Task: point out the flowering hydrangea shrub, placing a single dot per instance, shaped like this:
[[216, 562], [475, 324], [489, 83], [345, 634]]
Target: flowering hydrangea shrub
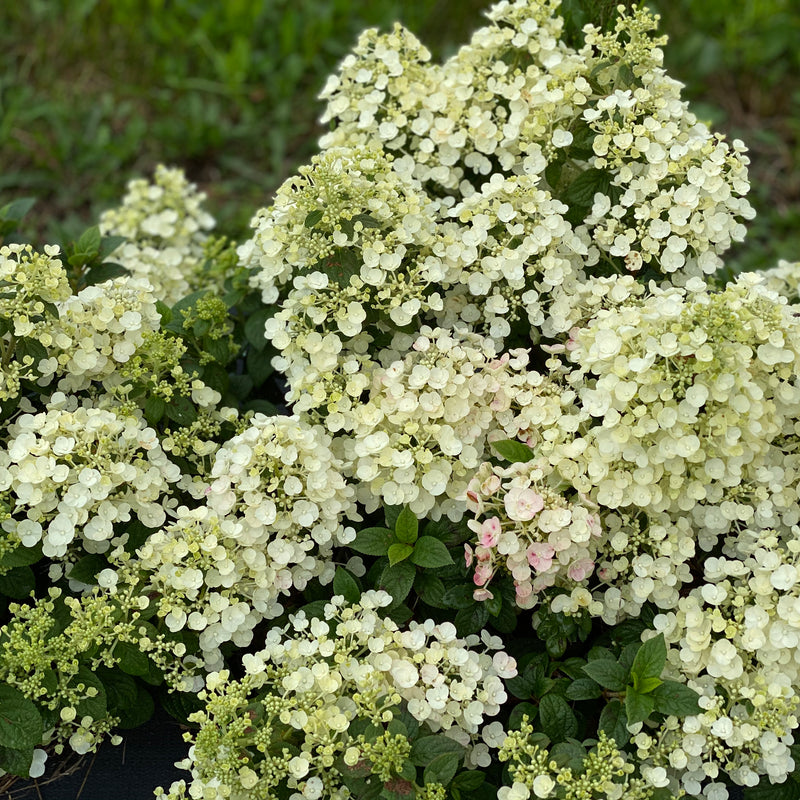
[[468, 473]]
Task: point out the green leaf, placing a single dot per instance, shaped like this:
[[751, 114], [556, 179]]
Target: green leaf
[[181, 410], [607, 673], [104, 272], [30, 347], [583, 689], [18, 583], [471, 620], [513, 451], [580, 193], [17, 209], [406, 529], [467, 781], [638, 707], [390, 514], [21, 556], [649, 661], [346, 585], [557, 719], [612, 722], [430, 589], [139, 712], [254, 327], [179, 705], [367, 221], [425, 749], [431, 553], [459, 597], [131, 659], [442, 768], [16, 762], [259, 366], [399, 552], [519, 711], [672, 697], [89, 242], [340, 266], [788, 790], [154, 409], [86, 569], [646, 685], [121, 690], [397, 580], [20, 721], [108, 244], [313, 217], [494, 604], [372, 541]]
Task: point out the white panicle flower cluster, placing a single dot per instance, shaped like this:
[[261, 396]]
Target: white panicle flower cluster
[[283, 485], [421, 433], [205, 579], [74, 470], [364, 667], [100, 328], [529, 529], [31, 284], [689, 390], [346, 198], [736, 641], [166, 226], [784, 279]]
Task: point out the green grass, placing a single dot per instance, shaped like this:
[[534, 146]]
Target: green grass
[[94, 92]]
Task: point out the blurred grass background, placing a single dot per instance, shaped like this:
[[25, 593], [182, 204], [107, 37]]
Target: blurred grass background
[[94, 92]]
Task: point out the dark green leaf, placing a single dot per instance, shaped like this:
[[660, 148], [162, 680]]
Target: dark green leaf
[[467, 781], [459, 597], [494, 604], [672, 697], [179, 705], [397, 580], [556, 718], [367, 221], [399, 552], [20, 721], [254, 327], [513, 451], [131, 659], [104, 272], [21, 556], [406, 528], [430, 589], [583, 689], [340, 266], [582, 190], [788, 790], [390, 514], [30, 347], [372, 541], [18, 583], [638, 707], [471, 620], [108, 244], [346, 585], [154, 409], [442, 768], [259, 366], [121, 691], [16, 762], [612, 722], [139, 712], [607, 673], [86, 568], [425, 749], [313, 217], [431, 553], [182, 410], [520, 711]]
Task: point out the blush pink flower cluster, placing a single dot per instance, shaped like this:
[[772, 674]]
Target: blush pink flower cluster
[[527, 527]]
